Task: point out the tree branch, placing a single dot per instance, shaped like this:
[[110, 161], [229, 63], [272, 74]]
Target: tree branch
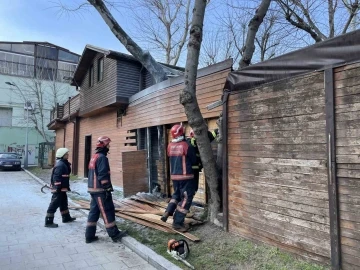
[[154, 68], [331, 11], [353, 8], [253, 28], [301, 24]]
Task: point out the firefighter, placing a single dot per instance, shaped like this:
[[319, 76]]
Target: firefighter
[[100, 188], [198, 166], [182, 158], [59, 186]]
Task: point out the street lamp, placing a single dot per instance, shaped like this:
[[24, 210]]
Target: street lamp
[[27, 107]]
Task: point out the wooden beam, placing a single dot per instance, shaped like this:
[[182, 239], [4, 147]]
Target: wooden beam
[[331, 165]]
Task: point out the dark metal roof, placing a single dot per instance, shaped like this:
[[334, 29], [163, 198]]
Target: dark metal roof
[[329, 53], [89, 53], [45, 43]]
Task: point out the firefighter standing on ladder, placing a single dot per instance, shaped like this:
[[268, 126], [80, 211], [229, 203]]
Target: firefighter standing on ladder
[[100, 188]]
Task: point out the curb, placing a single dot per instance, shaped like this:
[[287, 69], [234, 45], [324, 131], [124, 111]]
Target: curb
[[143, 251]]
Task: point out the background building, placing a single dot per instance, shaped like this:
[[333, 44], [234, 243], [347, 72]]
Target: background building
[[37, 73]]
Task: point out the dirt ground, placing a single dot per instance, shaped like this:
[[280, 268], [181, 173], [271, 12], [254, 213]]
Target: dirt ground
[[217, 249]]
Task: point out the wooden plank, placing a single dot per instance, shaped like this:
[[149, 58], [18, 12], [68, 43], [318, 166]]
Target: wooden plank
[[296, 183], [285, 189], [234, 192], [322, 213], [276, 154], [169, 226], [156, 203], [243, 204], [143, 222]]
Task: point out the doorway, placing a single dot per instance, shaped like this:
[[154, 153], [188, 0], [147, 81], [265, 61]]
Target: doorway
[[87, 155]]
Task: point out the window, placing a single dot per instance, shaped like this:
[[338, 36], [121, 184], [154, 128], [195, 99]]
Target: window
[[23, 48], [69, 57], [100, 69], [5, 117], [5, 46], [91, 76], [46, 52]]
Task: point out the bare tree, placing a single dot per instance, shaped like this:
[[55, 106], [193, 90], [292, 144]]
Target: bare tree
[[320, 19], [218, 47], [43, 91], [192, 110], [267, 40], [166, 27]]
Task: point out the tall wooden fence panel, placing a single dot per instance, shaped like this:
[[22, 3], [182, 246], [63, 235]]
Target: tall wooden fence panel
[[277, 165]]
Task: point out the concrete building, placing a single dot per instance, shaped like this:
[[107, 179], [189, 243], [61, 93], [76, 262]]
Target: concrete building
[[33, 72]]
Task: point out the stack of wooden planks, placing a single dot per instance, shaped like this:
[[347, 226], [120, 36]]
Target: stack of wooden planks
[[144, 209]]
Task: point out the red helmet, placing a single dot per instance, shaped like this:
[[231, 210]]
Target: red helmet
[[103, 141], [192, 134], [177, 131]]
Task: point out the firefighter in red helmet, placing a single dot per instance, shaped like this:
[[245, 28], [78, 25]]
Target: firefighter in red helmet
[[100, 188], [182, 157]]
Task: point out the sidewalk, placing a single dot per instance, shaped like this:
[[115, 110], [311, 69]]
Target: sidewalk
[[26, 244]]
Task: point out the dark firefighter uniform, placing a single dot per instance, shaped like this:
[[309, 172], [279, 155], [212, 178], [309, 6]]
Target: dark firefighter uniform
[[59, 186], [198, 166], [182, 157], [100, 188]]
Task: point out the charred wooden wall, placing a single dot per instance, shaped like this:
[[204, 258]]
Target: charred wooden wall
[[277, 172]]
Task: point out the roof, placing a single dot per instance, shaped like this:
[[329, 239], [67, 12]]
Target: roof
[[45, 43], [90, 51], [329, 53]]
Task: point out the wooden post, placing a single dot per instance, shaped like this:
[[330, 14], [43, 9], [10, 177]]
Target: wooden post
[[149, 159], [225, 184], [331, 165]]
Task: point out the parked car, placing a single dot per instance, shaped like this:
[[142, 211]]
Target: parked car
[[10, 161]]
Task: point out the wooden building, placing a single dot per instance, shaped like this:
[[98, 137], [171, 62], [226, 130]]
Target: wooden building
[[123, 104]]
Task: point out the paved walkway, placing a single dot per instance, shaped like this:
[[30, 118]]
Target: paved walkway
[[26, 244]]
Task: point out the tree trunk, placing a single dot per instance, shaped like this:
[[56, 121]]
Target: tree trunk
[[254, 25], [192, 110], [154, 68]]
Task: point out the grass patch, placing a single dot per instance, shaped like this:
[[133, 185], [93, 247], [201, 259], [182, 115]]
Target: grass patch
[[220, 250]]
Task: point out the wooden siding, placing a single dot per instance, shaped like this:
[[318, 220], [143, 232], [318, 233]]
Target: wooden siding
[[103, 92], [277, 165], [163, 107], [134, 172], [347, 109]]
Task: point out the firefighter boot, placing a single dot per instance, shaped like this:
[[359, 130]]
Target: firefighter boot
[[49, 222], [181, 228], [165, 216], [67, 218], [117, 238], [92, 239]]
